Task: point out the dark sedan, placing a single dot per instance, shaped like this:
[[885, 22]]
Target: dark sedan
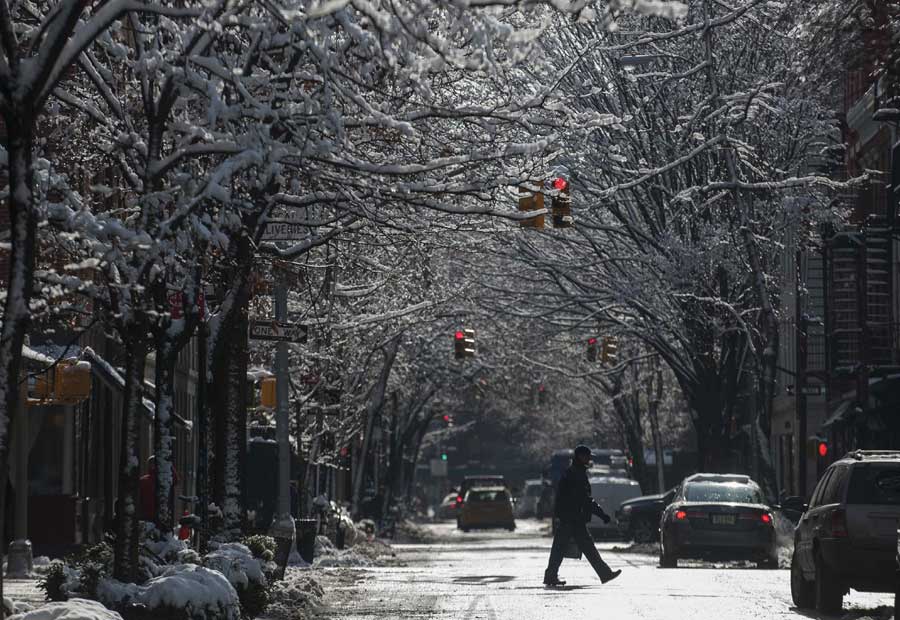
[[721, 516], [638, 518]]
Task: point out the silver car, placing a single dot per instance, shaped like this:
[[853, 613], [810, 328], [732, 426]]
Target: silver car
[[847, 537]]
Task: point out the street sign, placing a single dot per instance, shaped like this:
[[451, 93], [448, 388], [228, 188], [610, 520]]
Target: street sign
[[438, 468], [284, 231], [272, 330], [811, 390]]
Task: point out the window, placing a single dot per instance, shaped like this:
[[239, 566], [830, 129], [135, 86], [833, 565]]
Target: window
[[833, 493], [487, 496], [817, 494], [875, 484], [729, 492]]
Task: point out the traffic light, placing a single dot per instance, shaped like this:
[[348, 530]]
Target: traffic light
[[267, 393], [822, 449], [610, 350], [464, 343], [542, 394], [447, 419], [443, 456], [561, 203], [592, 349], [529, 200]]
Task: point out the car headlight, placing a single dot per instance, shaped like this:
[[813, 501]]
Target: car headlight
[[626, 510]]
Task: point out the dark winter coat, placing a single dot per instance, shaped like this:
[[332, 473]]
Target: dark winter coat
[[573, 497]]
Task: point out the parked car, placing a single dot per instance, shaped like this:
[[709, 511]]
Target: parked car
[[487, 507], [638, 518], [610, 492], [847, 537], [528, 502], [718, 515], [448, 507]]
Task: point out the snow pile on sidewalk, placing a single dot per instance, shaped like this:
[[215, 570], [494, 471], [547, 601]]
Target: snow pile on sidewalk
[[237, 563], [202, 592], [409, 532], [294, 596], [638, 548], [74, 609], [784, 539], [14, 607], [362, 554]]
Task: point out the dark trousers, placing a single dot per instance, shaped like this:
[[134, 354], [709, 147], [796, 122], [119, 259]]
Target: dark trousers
[[565, 532]]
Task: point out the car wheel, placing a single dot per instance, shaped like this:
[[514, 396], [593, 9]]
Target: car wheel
[[801, 590], [642, 531], [667, 557], [511, 528], [829, 592]]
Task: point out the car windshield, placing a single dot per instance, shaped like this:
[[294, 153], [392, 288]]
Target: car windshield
[[877, 484], [488, 496], [726, 492]]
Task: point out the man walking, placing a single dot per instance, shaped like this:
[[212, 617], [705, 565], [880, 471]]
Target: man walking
[[574, 507]]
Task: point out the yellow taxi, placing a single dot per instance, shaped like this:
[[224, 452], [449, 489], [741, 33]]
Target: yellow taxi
[[487, 507]]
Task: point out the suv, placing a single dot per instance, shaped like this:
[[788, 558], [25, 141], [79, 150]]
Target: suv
[[847, 536]]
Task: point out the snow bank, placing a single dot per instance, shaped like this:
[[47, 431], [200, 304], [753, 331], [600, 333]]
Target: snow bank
[[784, 537], [13, 607], [74, 609], [237, 563], [363, 554], [639, 548], [296, 593], [202, 592]]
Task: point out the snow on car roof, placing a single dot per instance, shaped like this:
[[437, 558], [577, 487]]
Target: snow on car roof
[[612, 480], [723, 478]]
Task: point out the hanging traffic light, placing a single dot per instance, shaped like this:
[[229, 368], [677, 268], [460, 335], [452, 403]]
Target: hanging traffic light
[[267, 393], [610, 350], [464, 343], [542, 394], [529, 200], [592, 349], [822, 449], [443, 456], [561, 202]]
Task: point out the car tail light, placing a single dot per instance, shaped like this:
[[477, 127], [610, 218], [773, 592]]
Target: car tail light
[[765, 518], [459, 499], [839, 524], [680, 515]]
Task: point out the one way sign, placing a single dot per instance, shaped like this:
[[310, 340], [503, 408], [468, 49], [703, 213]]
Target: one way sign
[[272, 330]]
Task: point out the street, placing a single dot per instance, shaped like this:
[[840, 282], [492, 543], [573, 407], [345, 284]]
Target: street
[[497, 575]]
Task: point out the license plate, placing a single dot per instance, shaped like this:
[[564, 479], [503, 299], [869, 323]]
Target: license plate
[[723, 519]]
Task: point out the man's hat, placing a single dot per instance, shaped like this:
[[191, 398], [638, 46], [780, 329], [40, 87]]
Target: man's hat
[[579, 450]]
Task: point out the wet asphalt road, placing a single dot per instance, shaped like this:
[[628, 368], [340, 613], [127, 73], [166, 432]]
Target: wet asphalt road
[[497, 576]]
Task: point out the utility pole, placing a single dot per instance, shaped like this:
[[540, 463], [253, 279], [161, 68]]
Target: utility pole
[[283, 524]]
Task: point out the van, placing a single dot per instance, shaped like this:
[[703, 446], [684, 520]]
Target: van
[[609, 492]]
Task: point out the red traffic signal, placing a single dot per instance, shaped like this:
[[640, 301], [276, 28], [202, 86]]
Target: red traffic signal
[[592, 349], [446, 418], [464, 343], [823, 449], [460, 334], [560, 184]]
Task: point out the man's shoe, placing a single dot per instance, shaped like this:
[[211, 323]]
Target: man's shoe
[[553, 581], [612, 576]]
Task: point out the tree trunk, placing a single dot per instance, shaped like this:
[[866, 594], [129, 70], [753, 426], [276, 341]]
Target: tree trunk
[[373, 411], [23, 229], [125, 560], [162, 432], [654, 398]]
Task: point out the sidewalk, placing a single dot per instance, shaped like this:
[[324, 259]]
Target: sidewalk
[[24, 591]]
